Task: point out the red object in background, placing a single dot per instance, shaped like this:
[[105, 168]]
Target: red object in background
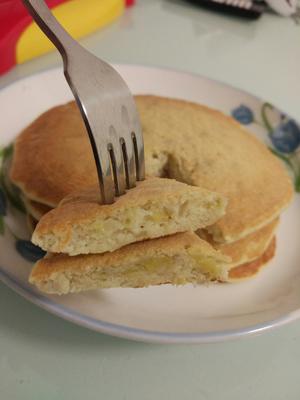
[[14, 18]]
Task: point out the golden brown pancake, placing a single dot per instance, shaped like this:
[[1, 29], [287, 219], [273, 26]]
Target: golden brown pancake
[[250, 269], [203, 147], [189, 142], [155, 207], [249, 248], [177, 259], [53, 157]]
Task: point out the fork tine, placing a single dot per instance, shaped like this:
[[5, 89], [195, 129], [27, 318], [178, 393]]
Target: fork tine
[[134, 142], [105, 174], [139, 155], [118, 170], [129, 120], [137, 139], [129, 161], [117, 161]]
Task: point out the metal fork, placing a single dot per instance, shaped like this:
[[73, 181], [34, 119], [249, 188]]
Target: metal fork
[[106, 105]]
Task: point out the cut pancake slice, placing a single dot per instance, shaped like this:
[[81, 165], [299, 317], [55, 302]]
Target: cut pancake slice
[[156, 207], [247, 249], [177, 259]]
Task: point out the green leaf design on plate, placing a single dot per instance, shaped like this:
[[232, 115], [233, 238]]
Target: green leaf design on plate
[[283, 158], [297, 184], [9, 189], [264, 117], [13, 198], [8, 151], [290, 165]]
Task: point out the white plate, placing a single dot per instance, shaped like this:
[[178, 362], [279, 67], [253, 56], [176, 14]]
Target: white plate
[[164, 314]]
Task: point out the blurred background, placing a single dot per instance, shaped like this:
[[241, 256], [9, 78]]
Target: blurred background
[[256, 49]]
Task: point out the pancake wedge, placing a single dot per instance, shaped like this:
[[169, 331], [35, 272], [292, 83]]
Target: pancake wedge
[[177, 259], [155, 207]]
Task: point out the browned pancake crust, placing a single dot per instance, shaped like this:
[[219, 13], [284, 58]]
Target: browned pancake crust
[[53, 156], [250, 269], [249, 248]]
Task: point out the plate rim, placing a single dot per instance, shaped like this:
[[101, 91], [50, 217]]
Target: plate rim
[[157, 67], [138, 334], [124, 331]]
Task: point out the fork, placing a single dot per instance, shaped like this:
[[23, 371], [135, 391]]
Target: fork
[[106, 105]]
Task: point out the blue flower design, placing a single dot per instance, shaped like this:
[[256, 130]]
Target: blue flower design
[[286, 137], [29, 251], [243, 114], [3, 203]]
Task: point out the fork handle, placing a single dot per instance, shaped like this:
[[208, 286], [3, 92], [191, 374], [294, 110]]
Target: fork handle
[[51, 27]]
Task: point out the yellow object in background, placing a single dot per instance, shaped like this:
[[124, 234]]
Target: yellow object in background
[[78, 17]]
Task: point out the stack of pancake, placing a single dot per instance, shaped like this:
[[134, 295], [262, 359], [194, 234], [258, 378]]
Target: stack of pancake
[[185, 141], [146, 237]]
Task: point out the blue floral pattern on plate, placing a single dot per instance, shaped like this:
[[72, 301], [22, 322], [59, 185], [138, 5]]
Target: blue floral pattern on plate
[[284, 137], [243, 114]]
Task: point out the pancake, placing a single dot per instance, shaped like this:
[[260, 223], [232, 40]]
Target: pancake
[[155, 207], [176, 259], [186, 141], [247, 249], [203, 147], [250, 269], [53, 157]]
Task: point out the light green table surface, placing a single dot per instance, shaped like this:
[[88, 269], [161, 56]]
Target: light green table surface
[[44, 357]]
